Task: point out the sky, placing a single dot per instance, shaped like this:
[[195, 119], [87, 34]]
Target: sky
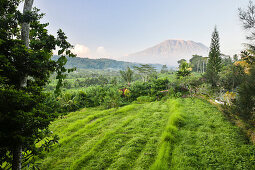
[[116, 28]]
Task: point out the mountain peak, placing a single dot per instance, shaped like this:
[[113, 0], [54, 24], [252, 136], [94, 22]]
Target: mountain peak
[[169, 52]]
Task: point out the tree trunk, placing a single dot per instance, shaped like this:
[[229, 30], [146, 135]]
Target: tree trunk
[[17, 157], [26, 25], [17, 151], [203, 66], [25, 35]]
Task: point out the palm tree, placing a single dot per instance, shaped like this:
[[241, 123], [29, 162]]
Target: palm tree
[[127, 75], [248, 54]]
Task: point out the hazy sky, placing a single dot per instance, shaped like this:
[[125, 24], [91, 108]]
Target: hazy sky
[[115, 28]]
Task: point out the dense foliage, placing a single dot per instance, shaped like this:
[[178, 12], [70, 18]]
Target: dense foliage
[[183, 70], [198, 63], [127, 75], [23, 114]]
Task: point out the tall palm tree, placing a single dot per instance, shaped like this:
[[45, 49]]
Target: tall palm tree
[[127, 75]]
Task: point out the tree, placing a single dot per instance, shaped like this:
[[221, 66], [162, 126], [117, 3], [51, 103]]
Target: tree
[[184, 70], [226, 60], [235, 57], [164, 69], [214, 62], [198, 63], [248, 55], [247, 18], [146, 71], [245, 100], [181, 61], [246, 96], [231, 76], [25, 68], [127, 75]]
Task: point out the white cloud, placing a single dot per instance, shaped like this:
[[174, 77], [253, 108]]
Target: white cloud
[[101, 52], [81, 51]]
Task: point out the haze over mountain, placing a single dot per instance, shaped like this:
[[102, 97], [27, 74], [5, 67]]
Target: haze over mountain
[[169, 52]]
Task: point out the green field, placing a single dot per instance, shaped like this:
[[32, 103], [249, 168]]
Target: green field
[[171, 134]]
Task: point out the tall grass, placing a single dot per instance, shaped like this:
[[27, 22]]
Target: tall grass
[[170, 134], [169, 137]]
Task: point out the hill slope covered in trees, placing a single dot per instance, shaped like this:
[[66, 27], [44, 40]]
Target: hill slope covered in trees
[[102, 63]]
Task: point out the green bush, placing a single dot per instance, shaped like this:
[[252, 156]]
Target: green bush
[[143, 99], [138, 89], [231, 76], [205, 89], [112, 98], [68, 102], [245, 100], [95, 95]]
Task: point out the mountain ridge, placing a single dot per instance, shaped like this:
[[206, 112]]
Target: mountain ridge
[[169, 52], [102, 63]]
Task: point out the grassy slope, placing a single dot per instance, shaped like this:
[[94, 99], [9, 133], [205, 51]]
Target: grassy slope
[[143, 136], [209, 141]]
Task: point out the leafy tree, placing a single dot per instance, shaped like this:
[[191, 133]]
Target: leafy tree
[[214, 63], [198, 63], [231, 76], [127, 75], [184, 70], [25, 68], [146, 71], [181, 61], [164, 69]]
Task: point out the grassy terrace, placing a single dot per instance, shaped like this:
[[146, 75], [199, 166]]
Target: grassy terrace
[[172, 134]]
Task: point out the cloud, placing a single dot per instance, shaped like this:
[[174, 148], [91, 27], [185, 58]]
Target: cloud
[[100, 51], [81, 51]]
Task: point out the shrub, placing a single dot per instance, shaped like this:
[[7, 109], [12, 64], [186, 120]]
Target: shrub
[[143, 99], [231, 77], [205, 89], [67, 102], [139, 89], [112, 99], [83, 100], [245, 100], [95, 95], [159, 85]]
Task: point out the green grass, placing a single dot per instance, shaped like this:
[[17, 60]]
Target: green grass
[[208, 141], [172, 134]]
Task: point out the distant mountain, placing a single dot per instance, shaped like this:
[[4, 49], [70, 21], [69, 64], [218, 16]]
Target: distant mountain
[[103, 63], [169, 52]]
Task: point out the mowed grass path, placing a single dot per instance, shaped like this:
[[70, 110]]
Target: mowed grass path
[[172, 134]]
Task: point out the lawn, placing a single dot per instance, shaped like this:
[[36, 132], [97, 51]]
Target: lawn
[[171, 134]]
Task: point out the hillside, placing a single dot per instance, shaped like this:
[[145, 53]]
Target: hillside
[[171, 134], [103, 63], [169, 52]]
